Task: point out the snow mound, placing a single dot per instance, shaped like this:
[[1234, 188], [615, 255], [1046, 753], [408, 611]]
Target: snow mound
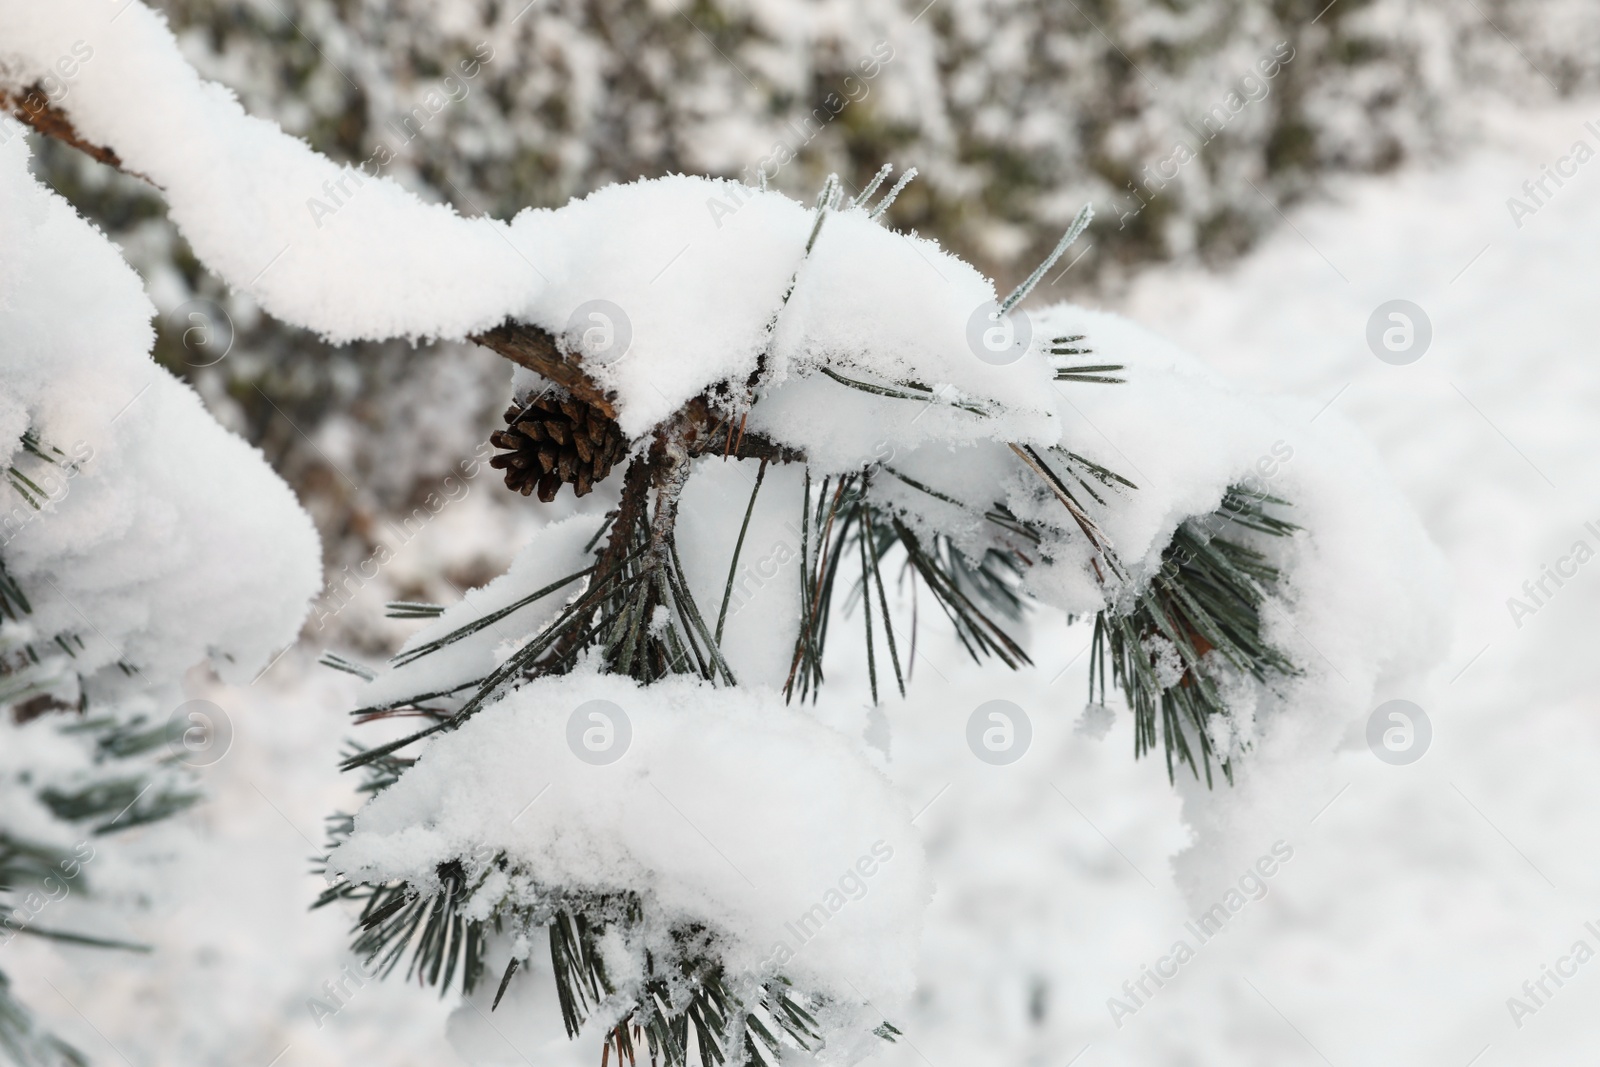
[[707, 282], [696, 289], [161, 539], [327, 247], [724, 808]]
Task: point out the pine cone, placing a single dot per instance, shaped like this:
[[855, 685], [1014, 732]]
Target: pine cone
[[555, 439]]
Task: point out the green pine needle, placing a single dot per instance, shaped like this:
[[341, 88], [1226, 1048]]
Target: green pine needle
[[1206, 600]]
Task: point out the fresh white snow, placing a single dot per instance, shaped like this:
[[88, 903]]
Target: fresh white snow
[[335, 249], [162, 539], [1405, 904]]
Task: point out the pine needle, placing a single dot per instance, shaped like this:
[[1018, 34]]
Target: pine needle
[[893, 194], [872, 186], [339, 663], [410, 609], [1074, 231], [738, 547]]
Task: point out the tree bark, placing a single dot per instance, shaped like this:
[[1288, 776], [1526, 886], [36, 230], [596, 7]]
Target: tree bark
[[33, 107]]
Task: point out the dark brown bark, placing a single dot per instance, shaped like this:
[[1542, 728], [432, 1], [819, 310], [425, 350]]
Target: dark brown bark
[[536, 349], [33, 107]]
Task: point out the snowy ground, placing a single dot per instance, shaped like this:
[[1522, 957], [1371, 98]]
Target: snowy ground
[[1416, 901]]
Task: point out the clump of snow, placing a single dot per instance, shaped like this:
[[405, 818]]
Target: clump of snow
[[162, 539], [1364, 587], [697, 268], [725, 807], [1095, 721], [888, 308], [711, 283], [1164, 660], [336, 249]]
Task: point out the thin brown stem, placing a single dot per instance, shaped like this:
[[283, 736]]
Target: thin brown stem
[[32, 106], [536, 349]]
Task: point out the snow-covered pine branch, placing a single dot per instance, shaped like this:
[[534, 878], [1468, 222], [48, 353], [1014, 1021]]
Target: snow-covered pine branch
[[138, 539], [1102, 473], [346, 254], [809, 378], [158, 538]]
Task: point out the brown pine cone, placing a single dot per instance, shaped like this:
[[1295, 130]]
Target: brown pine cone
[[554, 439]]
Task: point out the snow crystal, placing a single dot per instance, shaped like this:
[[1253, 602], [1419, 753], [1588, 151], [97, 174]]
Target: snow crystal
[[1164, 660]]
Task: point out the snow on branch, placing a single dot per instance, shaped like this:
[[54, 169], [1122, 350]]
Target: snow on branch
[[33, 106], [1252, 575], [137, 536], [328, 247]]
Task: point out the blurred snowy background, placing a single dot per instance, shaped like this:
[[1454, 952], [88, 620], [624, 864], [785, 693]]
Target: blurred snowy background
[[1375, 164]]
